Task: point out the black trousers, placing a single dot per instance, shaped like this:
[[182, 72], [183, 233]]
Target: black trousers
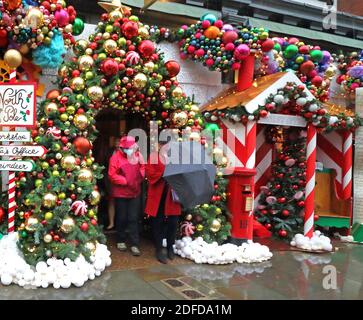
[[127, 218], [164, 226]]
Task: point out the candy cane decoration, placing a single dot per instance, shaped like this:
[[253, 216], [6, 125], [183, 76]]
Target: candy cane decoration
[[251, 130], [187, 228], [347, 165], [11, 190], [79, 207], [55, 132], [310, 181]]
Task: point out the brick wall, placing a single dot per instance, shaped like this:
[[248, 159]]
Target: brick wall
[[351, 6]]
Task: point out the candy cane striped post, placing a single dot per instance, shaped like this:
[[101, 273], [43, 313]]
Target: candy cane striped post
[[347, 164], [310, 181], [251, 132], [11, 190]]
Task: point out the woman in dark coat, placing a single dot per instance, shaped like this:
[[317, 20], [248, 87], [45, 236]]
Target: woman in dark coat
[[161, 207]]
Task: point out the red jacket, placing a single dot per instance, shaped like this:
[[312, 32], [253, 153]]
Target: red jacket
[[154, 174], [126, 177]]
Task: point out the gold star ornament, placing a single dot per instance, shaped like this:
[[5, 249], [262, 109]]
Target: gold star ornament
[[114, 5]]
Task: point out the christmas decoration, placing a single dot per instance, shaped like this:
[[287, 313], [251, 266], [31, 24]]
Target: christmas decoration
[[318, 242]]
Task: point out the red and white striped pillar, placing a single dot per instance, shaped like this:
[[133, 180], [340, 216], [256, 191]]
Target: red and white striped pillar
[[310, 181], [11, 190], [347, 165], [251, 134]]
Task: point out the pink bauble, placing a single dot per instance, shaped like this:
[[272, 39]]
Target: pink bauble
[[146, 48], [293, 40], [62, 17], [205, 24], [354, 86], [219, 24], [229, 36], [229, 46], [227, 27], [313, 73], [200, 53], [191, 49], [209, 62], [242, 51]]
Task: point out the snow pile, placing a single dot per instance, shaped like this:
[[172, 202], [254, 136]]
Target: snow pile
[[56, 272], [344, 238], [202, 252], [318, 242]]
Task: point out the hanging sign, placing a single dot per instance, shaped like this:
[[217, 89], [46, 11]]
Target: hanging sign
[[22, 151], [18, 104], [11, 136], [17, 165], [283, 120]]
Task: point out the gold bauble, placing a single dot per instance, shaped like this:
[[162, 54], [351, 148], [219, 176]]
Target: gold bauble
[[34, 18], [215, 226], [95, 197], [140, 81], [63, 72], [50, 108], [80, 46], [91, 246], [177, 92], [68, 225], [31, 224], [110, 45], [48, 238], [115, 15], [194, 108], [189, 217], [95, 93], [68, 162], [77, 84], [149, 66], [143, 32], [330, 72], [199, 227], [24, 49], [85, 175], [49, 200], [13, 58], [85, 63], [80, 121], [180, 119]]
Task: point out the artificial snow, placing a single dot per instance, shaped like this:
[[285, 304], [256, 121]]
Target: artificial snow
[[53, 272], [202, 252], [349, 239], [318, 242]]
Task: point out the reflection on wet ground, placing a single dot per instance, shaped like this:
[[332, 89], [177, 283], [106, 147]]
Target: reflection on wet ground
[[288, 275]]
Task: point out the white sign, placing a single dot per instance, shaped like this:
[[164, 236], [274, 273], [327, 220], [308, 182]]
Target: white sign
[[18, 104], [283, 120], [16, 165], [11, 136], [22, 151]]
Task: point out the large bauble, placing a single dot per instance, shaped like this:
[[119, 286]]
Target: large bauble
[[11, 4], [80, 121], [146, 48], [140, 81], [77, 27], [82, 145], [110, 45], [68, 162], [77, 84], [173, 68], [95, 93], [80, 46], [13, 58], [31, 224], [180, 119], [50, 108], [109, 67], [95, 197], [215, 226], [49, 200], [68, 225], [177, 92], [53, 94], [85, 175], [130, 29], [115, 15], [85, 63], [34, 18]]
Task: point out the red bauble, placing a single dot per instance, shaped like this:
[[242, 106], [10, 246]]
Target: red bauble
[[263, 113], [109, 67], [146, 48], [2, 213], [82, 145], [307, 67], [316, 217], [173, 68], [285, 213], [84, 226], [301, 203], [268, 226], [267, 45], [281, 200], [94, 222], [229, 37], [130, 29], [283, 233]]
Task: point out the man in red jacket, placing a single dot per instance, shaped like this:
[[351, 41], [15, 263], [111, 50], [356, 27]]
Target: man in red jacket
[[161, 206], [126, 173]]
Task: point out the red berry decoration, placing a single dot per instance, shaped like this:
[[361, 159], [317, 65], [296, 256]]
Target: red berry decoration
[[285, 213], [301, 203], [282, 233], [268, 226], [281, 200], [263, 113], [94, 222], [84, 226]]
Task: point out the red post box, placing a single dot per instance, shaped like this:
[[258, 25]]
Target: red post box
[[240, 204]]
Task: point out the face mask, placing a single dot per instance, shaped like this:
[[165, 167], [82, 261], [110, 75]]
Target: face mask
[[128, 152]]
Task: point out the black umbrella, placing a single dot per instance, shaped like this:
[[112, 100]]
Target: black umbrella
[[190, 172]]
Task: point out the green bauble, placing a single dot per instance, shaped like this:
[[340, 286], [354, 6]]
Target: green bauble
[[291, 51], [316, 55], [212, 127], [78, 26]]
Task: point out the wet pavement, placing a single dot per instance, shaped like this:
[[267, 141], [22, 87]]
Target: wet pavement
[[288, 275]]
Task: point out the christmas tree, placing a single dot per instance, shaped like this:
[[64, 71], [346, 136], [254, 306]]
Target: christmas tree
[[119, 67]]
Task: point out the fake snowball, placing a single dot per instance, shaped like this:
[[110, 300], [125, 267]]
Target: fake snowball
[[56, 272], [202, 252], [318, 242]]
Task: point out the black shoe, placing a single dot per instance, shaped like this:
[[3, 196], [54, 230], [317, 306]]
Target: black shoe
[[161, 256], [171, 254]]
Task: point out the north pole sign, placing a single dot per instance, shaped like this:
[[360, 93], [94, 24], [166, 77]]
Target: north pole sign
[[17, 165], [17, 104], [22, 151]]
